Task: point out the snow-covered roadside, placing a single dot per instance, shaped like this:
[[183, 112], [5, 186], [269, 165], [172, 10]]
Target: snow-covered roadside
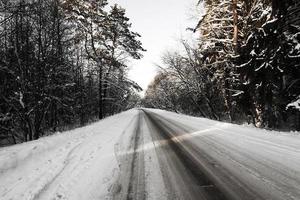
[[77, 164]]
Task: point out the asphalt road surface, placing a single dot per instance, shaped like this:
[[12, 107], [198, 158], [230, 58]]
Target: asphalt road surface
[[170, 158]]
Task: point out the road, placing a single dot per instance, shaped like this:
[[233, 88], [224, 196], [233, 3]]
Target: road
[[210, 163], [156, 155]]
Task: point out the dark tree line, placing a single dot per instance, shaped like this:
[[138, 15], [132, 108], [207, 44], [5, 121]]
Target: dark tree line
[[269, 68], [62, 63], [245, 66]]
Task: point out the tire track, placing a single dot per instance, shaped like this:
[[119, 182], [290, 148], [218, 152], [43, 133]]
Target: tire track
[[136, 189], [131, 182], [197, 185], [48, 184]]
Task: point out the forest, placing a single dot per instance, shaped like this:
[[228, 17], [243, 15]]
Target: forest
[[244, 67], [63, 64]]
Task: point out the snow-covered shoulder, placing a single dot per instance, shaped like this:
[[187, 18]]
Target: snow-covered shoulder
[[77, 164]]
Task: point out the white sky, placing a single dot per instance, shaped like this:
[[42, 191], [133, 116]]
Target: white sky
[[161, 23]]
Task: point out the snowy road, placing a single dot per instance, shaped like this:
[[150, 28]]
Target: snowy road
[[154, 154]]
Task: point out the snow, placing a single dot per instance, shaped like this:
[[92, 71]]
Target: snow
[[238, 93], [87, 163], [261, 66], [245, 64], [21, 100], [295, 104], [281, 70], [154, 181], [270, 22], [78, 164], [297, 47], [249, 37], [252, 53]]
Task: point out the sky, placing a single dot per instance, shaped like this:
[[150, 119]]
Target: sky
[[161, 23]]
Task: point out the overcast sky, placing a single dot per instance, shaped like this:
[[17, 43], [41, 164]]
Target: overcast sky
[[161, 24]]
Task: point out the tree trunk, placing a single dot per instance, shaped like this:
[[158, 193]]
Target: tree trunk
[[100, 114], [226, 94], [235, 24], [29, 129], [105, 93]]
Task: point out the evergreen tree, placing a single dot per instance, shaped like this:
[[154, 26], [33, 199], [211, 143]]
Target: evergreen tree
[[270, 67], [59, 60]]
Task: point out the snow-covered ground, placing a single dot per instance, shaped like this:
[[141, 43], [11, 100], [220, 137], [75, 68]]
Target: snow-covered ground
[[128, 156], [78, 164]]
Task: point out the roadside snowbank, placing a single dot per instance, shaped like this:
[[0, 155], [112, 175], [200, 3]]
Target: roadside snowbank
[[78, 164]]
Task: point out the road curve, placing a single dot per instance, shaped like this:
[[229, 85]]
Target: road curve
[[175, 157]]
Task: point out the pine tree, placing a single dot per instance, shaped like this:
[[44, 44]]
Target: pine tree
[[59, 59], [220, 32], [270, 66], [107, 39]]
